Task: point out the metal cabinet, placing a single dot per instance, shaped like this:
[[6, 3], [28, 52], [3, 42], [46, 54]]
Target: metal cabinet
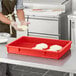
[[72, 28], [73, 31], [43, 26]]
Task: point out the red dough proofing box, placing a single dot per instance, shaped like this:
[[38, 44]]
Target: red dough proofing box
[[24, 46]]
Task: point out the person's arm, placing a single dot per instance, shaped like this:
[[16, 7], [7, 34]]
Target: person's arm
[[4, 19], [7, 21], [20, 14]]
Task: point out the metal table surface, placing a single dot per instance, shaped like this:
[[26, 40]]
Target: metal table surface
[[66, 64]]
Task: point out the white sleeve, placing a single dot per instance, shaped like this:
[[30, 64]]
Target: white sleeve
[[0, 6], [19, 4]]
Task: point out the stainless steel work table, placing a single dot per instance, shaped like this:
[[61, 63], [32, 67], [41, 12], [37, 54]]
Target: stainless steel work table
[[66, 64]]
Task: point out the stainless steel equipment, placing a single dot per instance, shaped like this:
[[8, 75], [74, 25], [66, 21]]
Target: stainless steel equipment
[[46, 1], [43, 27], [51, 20], [72, 28]]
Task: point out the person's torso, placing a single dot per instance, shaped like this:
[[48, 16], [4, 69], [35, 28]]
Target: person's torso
[[8, 6]]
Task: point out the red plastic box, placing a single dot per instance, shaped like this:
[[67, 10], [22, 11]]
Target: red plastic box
[[25, 44]]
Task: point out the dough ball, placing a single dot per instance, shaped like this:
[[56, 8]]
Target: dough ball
[[23, 27], [37, 48], [42, 45], [56, 47], [51, 50]]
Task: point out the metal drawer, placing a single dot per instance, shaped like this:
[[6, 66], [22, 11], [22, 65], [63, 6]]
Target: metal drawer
[[44, 26], [43, 36]]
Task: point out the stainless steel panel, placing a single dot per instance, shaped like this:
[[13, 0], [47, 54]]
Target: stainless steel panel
[[26, 1], [72, 26], [74, 5], [43, 26], [55, 18], [73, 32], [44, 36], [48, 1]]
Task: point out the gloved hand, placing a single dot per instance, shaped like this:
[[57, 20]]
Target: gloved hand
[[15, 26], [24, 23]]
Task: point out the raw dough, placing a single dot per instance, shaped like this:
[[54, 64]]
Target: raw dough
[[23, 27], [52, 50], [55, 48], [37, 48], [41, 46]]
